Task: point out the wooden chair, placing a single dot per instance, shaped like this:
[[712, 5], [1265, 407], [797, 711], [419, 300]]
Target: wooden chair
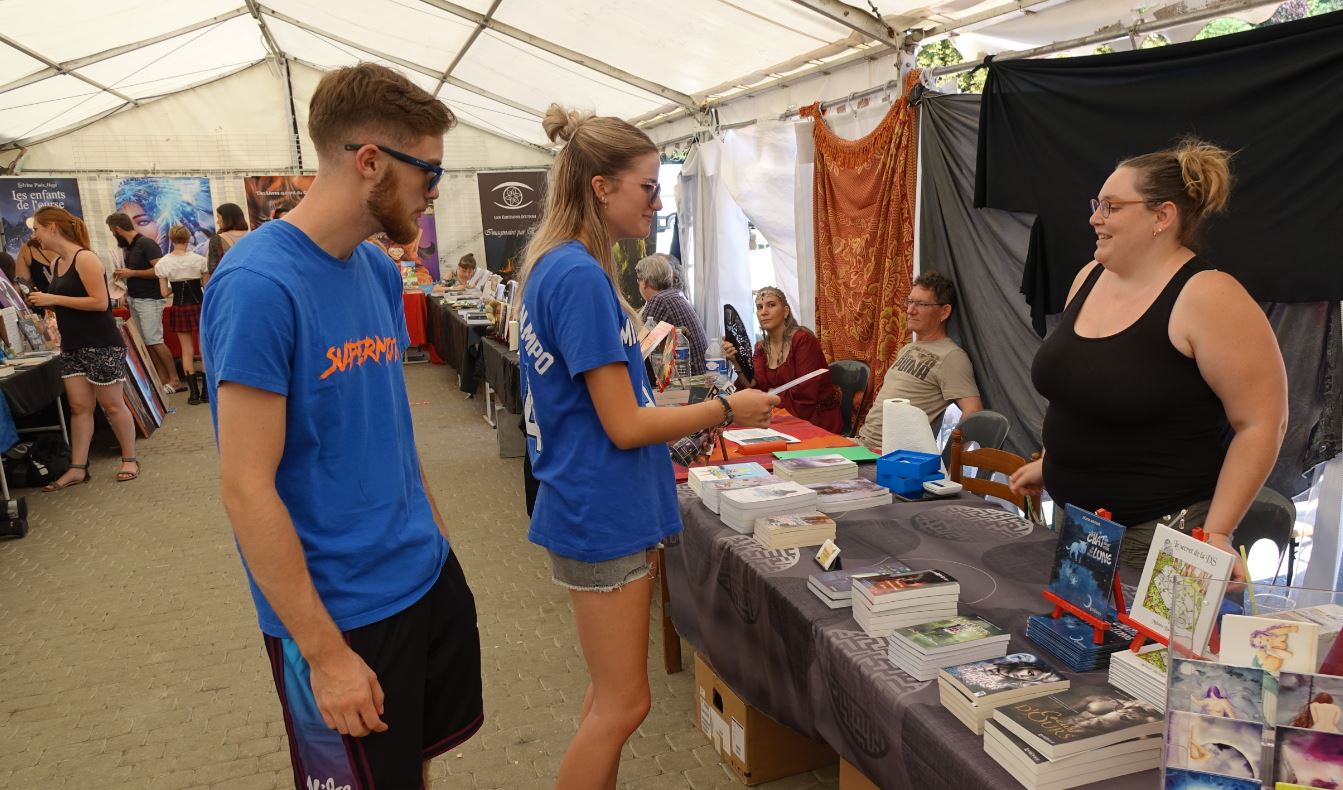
[[671, 640], [984, 458]]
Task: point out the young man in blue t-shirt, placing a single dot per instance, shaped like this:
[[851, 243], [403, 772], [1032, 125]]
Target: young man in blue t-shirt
[[368, 621]]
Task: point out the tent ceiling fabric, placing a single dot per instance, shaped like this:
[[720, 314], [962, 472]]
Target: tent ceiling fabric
[[639, 59]]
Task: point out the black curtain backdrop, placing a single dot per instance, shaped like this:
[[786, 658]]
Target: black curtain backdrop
[[1053, 130], [982, 251]]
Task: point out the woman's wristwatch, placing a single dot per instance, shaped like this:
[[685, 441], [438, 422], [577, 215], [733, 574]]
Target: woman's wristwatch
[[728, 416]]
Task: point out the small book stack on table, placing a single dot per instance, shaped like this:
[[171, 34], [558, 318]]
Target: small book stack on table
[[740, 508], [795, 530], [922, 651], [835, 588], [816, 469], [883, 602], [972, 691], [854, 494]]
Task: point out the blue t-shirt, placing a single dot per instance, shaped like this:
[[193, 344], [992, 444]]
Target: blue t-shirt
[[282, 315], [596, 502]]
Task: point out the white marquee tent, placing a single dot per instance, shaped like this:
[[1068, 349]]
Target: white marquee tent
[[221, 87]]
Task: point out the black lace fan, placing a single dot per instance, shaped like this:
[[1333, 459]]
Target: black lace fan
[[734, 331]]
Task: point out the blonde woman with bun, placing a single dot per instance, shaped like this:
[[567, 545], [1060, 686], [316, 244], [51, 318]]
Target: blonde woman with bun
[[1157, 361], [596, 442]]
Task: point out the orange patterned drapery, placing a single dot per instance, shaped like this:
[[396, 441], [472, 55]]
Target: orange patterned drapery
[[863, 196]]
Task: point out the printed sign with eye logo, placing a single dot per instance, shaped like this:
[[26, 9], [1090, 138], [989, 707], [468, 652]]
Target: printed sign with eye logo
[[513, 195]]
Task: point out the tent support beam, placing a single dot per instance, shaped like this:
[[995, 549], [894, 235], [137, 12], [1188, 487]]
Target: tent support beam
[[59, 70], [857, 19], [271, 46], [684, 100], [496, 132], [402, 62], [98, 57], [461, 53]]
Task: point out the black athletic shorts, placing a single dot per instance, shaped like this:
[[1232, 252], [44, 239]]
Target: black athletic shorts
[[427, 659]]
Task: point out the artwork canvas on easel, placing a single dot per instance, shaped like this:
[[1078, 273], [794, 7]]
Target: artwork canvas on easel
[[1181, 588]]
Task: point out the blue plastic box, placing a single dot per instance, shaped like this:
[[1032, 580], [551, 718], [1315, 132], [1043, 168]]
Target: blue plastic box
[[909, 487], [909, 463]]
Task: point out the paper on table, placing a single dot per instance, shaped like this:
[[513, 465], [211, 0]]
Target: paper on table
[[798, 380], [758, 436]]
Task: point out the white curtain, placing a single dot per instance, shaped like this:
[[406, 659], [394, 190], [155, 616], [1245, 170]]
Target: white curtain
[[718, 237], [760, 172]]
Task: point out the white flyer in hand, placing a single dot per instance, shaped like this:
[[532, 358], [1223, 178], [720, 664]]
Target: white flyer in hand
[[798, 380]]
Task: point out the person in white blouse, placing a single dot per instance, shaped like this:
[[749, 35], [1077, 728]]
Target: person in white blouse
[[185, 273]]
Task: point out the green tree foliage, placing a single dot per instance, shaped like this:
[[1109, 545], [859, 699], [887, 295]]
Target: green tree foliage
[[943, 52]]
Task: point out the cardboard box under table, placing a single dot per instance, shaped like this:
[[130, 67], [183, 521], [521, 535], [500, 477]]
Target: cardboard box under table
[[757, 748]]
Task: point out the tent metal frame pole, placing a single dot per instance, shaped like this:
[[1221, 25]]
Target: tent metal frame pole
[[88, 60], [496, 132], [684, 100], [461, 53], [402, 62], [49, 63], [859, 20], [274, 48], [1213, 11]]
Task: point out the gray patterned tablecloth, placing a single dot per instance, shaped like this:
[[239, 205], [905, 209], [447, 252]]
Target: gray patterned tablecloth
[[812, 668]]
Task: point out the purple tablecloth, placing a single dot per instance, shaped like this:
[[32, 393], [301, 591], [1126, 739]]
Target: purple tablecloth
[[812, 668]]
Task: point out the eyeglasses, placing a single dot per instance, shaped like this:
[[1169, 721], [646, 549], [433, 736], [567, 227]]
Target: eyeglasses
[[435, 172], [1107, 206], [911, 303], [651, 188]]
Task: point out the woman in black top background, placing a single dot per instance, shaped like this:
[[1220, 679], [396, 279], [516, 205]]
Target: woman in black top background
[[1156, 357], [92, 351]]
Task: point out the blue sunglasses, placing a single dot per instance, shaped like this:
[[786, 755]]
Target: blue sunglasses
[[435, 172]]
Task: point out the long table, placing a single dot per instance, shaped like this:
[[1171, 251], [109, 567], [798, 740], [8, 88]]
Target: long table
[[812, 668], [501, 374], [456, 341]]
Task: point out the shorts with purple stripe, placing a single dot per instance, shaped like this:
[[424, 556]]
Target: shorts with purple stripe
[[427, 660]]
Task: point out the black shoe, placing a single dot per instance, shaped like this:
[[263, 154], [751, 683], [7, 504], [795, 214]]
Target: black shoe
[[199, 378], [195, 397]]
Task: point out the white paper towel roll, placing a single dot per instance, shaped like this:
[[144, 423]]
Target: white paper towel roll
[[904, 426]]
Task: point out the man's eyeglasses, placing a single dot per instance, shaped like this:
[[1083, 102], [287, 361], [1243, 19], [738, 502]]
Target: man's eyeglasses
[[912, 303], [1107, 206], [435, 172], [651, 188]]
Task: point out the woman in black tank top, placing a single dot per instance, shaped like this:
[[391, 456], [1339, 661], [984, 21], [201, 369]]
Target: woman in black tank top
[[1157, 360], [92, 351]]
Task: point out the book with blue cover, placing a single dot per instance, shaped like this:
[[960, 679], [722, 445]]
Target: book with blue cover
[[1085, 561]]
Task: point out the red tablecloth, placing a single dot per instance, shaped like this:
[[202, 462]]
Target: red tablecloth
[[416, 307], [812, 438]]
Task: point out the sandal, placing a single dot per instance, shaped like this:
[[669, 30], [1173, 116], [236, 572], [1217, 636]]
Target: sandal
[[126, 477], [169, 389], [52, 487]]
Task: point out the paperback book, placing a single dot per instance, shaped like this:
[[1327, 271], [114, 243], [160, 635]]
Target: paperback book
[[1079, 720], [1085, 560], [794, 530], [838, 584], [699, 475], [711, 490], [843, 495], [886, 590], [740, 508], [1037, 772], [1004, 678], [1181, 587], [1070, 640], [816, 469], [1142, 674]]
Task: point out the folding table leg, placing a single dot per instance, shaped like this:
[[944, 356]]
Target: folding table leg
[[671, 640]]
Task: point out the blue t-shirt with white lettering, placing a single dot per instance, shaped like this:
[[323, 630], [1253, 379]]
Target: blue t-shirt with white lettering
[[282, 315], [596, 502]]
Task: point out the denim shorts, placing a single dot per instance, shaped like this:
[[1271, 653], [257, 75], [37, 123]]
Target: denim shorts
[[604, 576]]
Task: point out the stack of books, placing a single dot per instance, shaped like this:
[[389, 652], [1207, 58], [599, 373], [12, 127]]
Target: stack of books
[[854, 494], [1075, 737], [835, 588], [699, 475], [710, 489], [795, 530], [816, 469], [972, 691], [1070, 640], [1142, 674], [740, 508], [883, 602], [922, 651]]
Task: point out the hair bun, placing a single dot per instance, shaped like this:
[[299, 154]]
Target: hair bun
[[561, 124], [1206, 169]]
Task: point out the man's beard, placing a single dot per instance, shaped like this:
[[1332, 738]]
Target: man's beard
[[400, 225]]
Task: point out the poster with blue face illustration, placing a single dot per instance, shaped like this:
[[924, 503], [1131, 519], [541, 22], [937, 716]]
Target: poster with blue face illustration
[[20, 197], [156, 203], [1085, 560]]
